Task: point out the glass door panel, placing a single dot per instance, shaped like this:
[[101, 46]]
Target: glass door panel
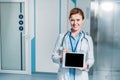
[[11, 52], [13, 42]]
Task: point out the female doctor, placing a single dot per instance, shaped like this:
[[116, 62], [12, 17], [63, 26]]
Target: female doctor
[[75, 40]]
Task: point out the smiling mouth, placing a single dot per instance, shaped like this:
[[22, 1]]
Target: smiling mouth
[[75, 27]]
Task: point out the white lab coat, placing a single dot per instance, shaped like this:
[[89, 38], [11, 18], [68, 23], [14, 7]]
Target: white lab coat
[[85, 44]]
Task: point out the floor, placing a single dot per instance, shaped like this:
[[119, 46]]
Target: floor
[[53, 76], [34, 76]]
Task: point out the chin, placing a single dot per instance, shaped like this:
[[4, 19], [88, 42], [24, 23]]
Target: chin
[[74, 30]]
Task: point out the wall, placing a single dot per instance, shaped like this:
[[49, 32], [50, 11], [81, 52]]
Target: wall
[[51, 19], [85, 6], [47, 29]]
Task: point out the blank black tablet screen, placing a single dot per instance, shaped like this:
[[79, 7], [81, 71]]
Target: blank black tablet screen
[[74, 60]]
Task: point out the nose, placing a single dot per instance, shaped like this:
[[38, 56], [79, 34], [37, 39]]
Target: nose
[[75, 22]]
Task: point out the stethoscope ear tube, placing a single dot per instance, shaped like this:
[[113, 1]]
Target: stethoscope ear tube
[[61, 46], [63, 39]]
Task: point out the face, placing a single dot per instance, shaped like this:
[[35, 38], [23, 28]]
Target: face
[[76, 22]]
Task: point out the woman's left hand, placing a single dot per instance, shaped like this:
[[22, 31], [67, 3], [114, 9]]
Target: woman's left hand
[[84, 68]]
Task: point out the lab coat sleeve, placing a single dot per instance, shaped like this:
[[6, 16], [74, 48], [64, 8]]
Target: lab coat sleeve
[[57, 51], [90, 59]]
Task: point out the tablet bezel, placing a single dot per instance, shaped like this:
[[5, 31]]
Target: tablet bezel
[[64, 58]]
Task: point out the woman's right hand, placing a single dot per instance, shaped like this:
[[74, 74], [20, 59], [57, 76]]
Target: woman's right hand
[[64, 51]]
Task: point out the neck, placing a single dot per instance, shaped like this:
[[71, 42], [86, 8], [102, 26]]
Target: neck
[[75, 33]]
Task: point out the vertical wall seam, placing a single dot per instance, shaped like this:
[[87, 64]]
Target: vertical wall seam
[[33, 43], [59, 16]]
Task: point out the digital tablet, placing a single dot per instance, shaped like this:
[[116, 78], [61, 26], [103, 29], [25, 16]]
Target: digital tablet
[[73, 60]]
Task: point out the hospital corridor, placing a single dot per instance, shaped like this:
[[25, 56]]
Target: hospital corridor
[[30, 28]]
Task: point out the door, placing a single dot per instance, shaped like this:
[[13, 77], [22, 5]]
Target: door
[[105, 32], [13, 42]]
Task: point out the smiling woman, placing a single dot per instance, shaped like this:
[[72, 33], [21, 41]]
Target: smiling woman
[[75, 41]]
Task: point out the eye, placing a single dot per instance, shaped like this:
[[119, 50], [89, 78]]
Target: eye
[[71, 19], [78, 19]]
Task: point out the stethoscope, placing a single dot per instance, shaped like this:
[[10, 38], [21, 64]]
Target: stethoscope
[[67, 33]]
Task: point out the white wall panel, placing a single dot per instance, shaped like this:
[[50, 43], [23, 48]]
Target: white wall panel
[[51, 19], [64, 15], [47, 30], [66, 6], [85, 6]]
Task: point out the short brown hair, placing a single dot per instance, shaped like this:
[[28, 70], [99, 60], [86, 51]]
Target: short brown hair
[[75, 11]]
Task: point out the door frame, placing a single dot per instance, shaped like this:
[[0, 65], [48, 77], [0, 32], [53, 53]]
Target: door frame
[[27, 43]]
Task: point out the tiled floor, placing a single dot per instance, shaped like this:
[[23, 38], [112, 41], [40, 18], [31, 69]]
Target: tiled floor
[[34, 76], [53, 76]]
